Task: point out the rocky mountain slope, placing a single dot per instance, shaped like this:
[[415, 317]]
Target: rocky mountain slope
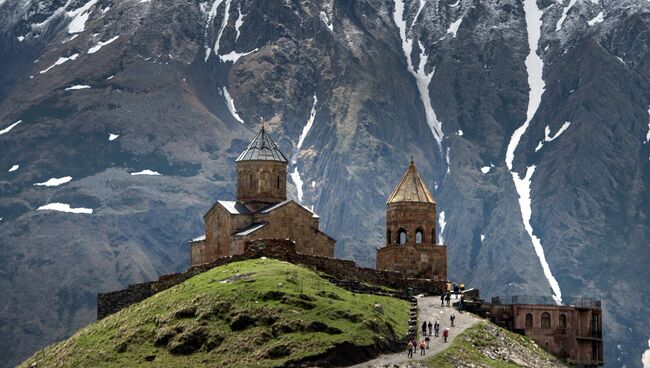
[[529, 120]]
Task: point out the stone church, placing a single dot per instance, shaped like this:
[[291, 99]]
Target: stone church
[[411, 244], [261, 210]]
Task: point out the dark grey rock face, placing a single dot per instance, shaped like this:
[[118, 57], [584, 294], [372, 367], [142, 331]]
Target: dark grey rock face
[[342, 66]]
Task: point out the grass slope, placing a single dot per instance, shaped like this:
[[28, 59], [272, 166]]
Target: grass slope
[[489, 346], [262, 313]]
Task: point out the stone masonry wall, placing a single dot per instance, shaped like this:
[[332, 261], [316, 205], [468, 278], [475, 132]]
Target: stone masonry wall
[[343, 272]]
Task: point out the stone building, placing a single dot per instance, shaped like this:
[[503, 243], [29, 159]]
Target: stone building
[[572, 331], [261, 210], [411, 243]]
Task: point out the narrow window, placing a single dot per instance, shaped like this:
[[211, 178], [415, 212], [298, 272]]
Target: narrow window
[[419, 236], [529, 320], [546, 320], [433, 235], [388, 239], [595, 351], [594, 325], [562, 321], [278, 184], [250, 180], [401, 234]]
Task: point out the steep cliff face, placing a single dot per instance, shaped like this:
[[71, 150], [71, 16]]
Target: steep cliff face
[[530, 120]]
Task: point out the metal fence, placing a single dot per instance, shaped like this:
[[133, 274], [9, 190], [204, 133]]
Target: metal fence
[[579, 302]]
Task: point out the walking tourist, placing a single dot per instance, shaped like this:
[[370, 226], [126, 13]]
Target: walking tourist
[[410, 349], [452, 318]]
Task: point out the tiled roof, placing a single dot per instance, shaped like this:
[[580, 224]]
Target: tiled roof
[[250, 229], [262, 148], [235, 208], [199, 239], [411, 188], [272, 207]]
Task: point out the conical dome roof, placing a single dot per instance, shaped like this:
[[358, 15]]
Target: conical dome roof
[[262, 148], [411, 188]]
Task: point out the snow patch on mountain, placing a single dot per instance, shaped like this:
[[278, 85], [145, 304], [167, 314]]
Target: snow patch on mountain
[[560, 21], [453, 28], [534, 68], [295, 175], [447, 161], [64, 207], [78, 86], [97, 47], [482, 238], [647, 136], [422, 78], [14, 168], [486, 169], [80, 17], [597, 19], [230, 103], [210, 16], [8, 129], [233, 56], [224, 23], [326, 21], [645, 358], [146, 172], [112, 137], [54, 182], [549, 138], [460, 132], [442, 223], [239, 22], [60, 61], [310, 123]]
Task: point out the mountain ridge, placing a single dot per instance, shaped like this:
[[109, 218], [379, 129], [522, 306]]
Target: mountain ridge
[[168, 106]]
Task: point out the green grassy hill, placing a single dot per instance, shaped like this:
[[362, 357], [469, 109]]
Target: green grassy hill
[[486, 345], [262, 313]]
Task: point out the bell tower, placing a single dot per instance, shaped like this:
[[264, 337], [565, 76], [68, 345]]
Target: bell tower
[[261, 173], [411, 213], [411, 243]]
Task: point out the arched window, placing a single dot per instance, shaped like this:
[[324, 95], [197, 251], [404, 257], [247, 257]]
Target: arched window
[[562, 323], [419, 236], [401, 236], [529, 320], [546, 320], [388, 239]]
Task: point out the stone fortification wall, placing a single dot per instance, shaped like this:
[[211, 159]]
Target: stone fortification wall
[[342, 272]]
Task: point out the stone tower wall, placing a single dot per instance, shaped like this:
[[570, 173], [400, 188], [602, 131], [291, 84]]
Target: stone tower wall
[[263, 181], [419, 261], [411, 216], [219, 225]]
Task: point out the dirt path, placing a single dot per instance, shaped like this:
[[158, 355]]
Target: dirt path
[[429, 309]]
